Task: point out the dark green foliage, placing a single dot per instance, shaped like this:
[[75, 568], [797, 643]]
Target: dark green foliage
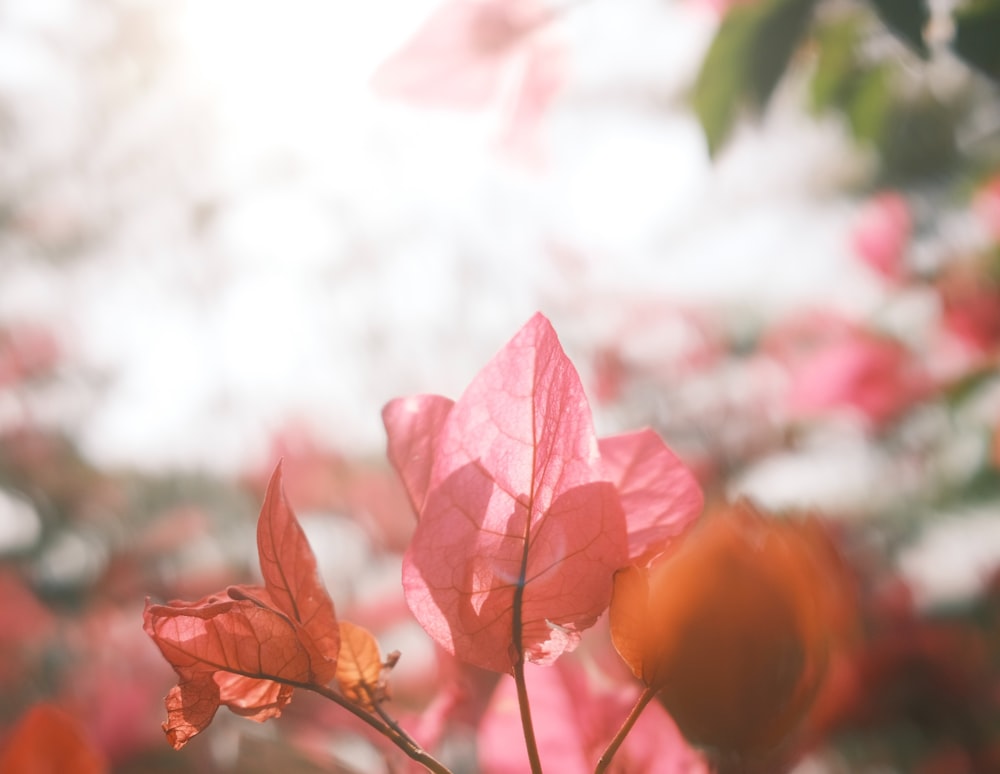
[[906, 18], [745, 62], [977, 36]]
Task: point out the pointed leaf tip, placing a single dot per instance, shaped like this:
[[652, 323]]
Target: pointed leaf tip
[[291, 576]]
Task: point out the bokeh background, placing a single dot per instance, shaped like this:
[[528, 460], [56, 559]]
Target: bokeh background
[[231, 230]]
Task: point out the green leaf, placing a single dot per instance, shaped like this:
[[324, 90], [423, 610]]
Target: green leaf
[[868, 105], [836, 69], [907, 19], [977, 36], [745, 61]]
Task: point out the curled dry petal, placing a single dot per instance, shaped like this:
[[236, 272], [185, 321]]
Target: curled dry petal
[[246, 648], [731, 626]]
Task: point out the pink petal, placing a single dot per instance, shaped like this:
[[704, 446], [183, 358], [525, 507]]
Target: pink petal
[[412, 426], [660, 496], [518, 523], [457, 59]]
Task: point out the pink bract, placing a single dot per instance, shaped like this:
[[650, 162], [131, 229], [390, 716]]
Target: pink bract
[[521, 521]]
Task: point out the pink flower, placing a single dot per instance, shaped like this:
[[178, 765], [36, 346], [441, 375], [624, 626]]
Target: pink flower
[[471, 54], [833, 365], [882, 233], [986, 205], [872, 375]]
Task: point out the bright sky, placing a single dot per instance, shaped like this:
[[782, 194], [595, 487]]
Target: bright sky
[[355, 248]]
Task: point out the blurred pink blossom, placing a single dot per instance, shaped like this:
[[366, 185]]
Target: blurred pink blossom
[[881, 234], [26, 352], [720, 7], [473, 54], [986, 205], [970, 306], [873, 375], [833, 364], [575, 717]]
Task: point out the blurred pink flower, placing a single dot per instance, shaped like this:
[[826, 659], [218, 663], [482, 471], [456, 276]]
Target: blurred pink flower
[[834, 364], [26, 352], [471, 54], [970, 306], [721, 7], [575, 717], [881, 234], [872, 375], [986, 205]]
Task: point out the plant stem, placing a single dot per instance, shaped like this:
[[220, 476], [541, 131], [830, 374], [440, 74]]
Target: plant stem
[[640, 705], [384, 724], [529, 730]]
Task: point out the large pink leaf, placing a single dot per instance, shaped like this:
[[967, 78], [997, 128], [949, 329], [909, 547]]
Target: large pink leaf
[[519, 535], [290, 575], [660, 496], [412, 426]]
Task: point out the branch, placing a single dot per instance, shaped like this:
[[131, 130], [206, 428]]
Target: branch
[[384, 724], [640, 705]]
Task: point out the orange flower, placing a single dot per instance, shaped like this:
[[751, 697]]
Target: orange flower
[[733, 626]]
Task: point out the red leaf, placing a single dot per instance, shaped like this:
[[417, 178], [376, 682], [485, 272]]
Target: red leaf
[[519, 533], [412, 426], [48, 740], [290, 575], [228, 650], [205, 640], [660, 496]]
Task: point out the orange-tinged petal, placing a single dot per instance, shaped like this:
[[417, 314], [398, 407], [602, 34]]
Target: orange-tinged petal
[[730, 626], [359, 668]]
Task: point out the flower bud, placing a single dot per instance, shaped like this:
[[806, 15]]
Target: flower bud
[[732, 626]]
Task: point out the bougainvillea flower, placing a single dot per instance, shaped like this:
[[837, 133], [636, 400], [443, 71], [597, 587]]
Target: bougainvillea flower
[[731, 626], [248, 646], [833, 364], [970, 304], [471, 54], [871, 375], [882, 233], [521, 522]]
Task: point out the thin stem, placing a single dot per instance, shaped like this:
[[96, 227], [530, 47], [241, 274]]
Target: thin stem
[[384, 724], [640, 705], [529, 730]]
